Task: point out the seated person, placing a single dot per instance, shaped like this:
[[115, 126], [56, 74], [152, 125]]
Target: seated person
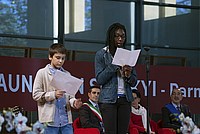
[[172, 110], [90, 116], [139, 116]]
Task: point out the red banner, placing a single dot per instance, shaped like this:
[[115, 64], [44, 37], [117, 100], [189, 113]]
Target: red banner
[[17, 76]]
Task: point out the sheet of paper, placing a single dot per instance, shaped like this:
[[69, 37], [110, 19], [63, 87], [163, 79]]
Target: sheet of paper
[[66, 82], [126, 57]]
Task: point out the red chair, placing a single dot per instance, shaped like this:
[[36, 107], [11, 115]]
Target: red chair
[[133, 131], [162, 130], [79, 130]]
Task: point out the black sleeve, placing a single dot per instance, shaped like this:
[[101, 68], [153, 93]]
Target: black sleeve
[[88, 119]]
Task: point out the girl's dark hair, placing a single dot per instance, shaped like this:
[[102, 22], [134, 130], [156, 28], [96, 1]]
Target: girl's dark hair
[[111, 36], [137, 93], [57, 48]]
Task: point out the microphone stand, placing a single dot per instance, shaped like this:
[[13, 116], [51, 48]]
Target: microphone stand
[[147, 60]]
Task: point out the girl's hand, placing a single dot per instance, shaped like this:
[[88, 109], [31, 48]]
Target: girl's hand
[[127, 70]]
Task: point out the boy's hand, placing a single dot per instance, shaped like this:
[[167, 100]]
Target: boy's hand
[[78, 103], [59, 93]]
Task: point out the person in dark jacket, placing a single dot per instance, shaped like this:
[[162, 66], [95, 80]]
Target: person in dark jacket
[[172, 110], [90, 116]]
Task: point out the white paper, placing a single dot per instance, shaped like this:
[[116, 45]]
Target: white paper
[[125, 57], [66, 82]]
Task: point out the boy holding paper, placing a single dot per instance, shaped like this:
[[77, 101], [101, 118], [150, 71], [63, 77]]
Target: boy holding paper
[[116, 81], [54, 104]]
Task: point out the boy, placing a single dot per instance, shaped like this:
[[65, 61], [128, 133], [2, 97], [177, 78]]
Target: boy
[[54, 104]]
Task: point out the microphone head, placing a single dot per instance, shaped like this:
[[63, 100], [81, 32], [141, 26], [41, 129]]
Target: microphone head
[[147, 48]]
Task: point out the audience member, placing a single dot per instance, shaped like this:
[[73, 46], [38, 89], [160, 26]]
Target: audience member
[[139, 116], [90, 116], [172, 110]]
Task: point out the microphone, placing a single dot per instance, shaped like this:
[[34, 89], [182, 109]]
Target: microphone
[[146, 49], [147, 58], [147, 82]]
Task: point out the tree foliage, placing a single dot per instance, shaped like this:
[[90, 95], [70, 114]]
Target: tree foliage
[[13, 16]]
